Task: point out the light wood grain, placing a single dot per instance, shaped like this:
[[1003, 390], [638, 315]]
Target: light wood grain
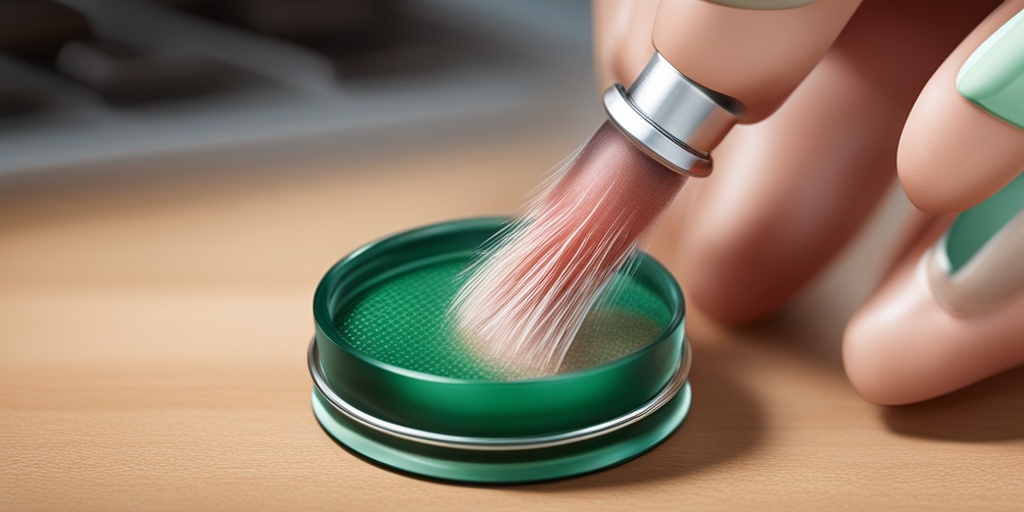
[[153, 334]]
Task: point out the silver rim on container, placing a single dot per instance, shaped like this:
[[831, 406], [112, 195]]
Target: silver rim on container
[[662, 397]]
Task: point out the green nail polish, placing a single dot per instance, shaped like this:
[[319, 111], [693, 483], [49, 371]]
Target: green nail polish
[[993, 77], [975, 227]]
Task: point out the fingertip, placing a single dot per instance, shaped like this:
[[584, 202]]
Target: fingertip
[[883, 340], [952, 153], [902, 346], [872, 350]]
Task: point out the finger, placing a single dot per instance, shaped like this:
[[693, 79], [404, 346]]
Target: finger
[[747, 50], [789, 192], [622, 39], [904, 345], [953, 153]]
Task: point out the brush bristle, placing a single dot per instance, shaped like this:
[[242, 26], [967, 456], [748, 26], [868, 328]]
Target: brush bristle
[[526, 298]]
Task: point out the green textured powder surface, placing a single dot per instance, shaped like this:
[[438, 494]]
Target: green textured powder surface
[[403, 322]]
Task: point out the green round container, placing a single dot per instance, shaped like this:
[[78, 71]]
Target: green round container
[[392, 383]]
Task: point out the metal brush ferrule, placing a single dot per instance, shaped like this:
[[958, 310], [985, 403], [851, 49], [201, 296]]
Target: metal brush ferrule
[[672, 118]]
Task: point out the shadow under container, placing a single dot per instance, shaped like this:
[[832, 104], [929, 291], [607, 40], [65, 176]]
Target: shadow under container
[[377, 392]]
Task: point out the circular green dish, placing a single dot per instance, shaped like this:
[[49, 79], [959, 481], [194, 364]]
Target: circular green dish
[[394, 384]]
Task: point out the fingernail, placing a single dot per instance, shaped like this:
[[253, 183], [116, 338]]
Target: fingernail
[[993, 76], [978, 264]]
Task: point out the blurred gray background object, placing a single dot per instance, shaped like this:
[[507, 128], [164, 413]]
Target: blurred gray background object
[[87, 84]]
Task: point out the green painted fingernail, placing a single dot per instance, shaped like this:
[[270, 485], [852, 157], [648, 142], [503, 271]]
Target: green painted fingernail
[[976, 267], [993, 77], [975, 227]]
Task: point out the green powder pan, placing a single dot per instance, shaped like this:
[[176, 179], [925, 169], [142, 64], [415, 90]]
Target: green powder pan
[[393, 383]]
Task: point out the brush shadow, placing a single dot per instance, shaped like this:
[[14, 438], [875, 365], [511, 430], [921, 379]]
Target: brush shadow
[[989, 411], [725, 423]]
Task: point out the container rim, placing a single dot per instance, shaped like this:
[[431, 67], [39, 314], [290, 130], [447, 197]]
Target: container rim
[[661, 398], [324, 317]]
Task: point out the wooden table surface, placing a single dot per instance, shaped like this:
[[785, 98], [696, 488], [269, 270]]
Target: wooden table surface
[[153, 332]]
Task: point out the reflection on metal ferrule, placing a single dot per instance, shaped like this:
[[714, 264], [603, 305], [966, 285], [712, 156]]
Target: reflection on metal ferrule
[[671, 118]]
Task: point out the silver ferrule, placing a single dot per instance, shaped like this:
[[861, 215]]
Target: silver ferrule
[[672, 118]]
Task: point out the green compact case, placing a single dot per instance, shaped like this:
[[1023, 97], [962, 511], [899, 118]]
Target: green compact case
[[393, 383]]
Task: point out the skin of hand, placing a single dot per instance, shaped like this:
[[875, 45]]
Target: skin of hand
[[788, 193]]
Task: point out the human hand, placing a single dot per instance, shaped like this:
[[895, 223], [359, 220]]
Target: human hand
[[790, 192]]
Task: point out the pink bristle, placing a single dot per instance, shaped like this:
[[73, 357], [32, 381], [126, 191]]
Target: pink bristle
[[524, 302]]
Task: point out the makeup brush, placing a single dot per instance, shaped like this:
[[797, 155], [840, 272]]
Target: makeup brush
[[527, 296], [526, 299]]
